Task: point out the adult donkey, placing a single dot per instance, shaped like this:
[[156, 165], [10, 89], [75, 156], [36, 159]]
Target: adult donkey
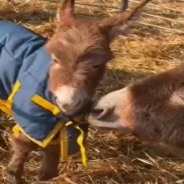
[[151, 108], [41, 79]]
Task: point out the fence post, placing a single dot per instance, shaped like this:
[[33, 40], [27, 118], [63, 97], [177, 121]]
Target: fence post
[[123, 6]]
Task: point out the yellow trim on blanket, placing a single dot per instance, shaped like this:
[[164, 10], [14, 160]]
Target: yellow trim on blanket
[[46, 141], [63, 141], [5, 106]]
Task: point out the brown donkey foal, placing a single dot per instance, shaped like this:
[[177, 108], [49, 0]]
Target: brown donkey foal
[[151, 108], [79, 52]]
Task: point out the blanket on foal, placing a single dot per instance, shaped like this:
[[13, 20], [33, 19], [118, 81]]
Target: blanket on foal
[[24, 94]]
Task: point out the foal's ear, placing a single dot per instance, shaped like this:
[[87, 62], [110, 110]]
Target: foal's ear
[[65, 12], [120, 24]]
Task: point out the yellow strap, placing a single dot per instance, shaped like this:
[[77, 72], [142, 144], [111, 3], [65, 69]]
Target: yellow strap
[[63, 138], [5, 105], [15, 89], [46, 104], [80, 140], [15, 131], [69, 123], [64, 144]]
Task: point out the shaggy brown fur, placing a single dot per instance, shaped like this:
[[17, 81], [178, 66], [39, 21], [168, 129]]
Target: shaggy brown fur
[[81, 49], [79, 52], [151, 108]]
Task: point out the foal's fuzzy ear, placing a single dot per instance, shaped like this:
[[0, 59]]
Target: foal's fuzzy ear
[[65, 12], [124, 29], [120, 24]]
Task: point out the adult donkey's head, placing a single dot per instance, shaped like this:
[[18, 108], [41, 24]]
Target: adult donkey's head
[[80, 51]]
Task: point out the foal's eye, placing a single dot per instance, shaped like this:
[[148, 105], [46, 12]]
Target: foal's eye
[[96, 66], [55, 60]]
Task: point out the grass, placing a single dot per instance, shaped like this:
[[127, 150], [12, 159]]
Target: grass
[[113, 158]]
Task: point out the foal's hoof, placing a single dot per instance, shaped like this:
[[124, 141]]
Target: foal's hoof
[[12, 178], [47, 176]]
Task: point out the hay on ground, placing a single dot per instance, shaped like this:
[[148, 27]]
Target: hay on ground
[[113, 158]]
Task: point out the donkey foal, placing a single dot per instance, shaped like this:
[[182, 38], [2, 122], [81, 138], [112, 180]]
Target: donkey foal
[[50, 77]]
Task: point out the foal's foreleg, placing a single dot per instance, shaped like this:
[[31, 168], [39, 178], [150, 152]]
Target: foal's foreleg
[[21, 147], [50, 162]]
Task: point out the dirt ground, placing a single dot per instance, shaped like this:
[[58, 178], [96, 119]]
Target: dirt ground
[[113, 158]]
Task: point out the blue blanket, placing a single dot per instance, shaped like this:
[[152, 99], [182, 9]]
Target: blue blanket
[[23, 59]]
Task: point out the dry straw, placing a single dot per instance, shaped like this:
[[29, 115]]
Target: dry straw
[[113, 158]]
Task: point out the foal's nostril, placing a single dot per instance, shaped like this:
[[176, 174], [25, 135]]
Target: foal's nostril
[[69, 107], [78, 103], [66, 106]]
